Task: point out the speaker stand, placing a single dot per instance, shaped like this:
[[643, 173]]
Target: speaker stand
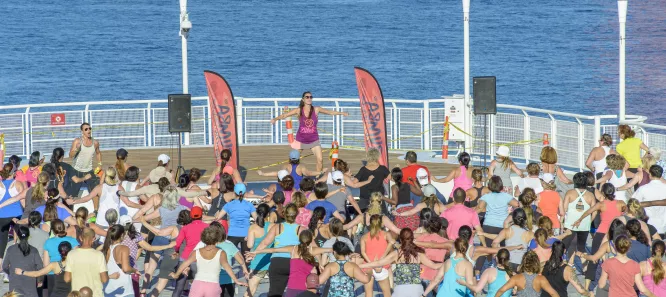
[[180, 167], [485, 141]]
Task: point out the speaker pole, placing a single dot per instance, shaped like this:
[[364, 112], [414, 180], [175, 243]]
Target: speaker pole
[[485, 140], [180, 167]]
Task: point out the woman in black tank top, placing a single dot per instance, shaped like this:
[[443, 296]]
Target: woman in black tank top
[[559, 274]]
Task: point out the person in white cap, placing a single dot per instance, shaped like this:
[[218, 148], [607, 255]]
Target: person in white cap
[[160, 171], [294, 168], [502, 167], [423, 178], [339, 195]]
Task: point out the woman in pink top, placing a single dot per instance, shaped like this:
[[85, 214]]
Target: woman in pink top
[[432, 228], [225, 157], [622, 272], [461, 176], [653, 270], [301, 264]]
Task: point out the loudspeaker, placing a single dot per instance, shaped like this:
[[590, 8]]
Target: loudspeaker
[[484, 95], [180, 111]]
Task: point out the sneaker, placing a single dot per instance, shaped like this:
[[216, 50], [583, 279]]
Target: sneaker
[[4, 278]]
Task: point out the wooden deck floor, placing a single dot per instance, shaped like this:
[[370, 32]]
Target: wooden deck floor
[[251, 157]]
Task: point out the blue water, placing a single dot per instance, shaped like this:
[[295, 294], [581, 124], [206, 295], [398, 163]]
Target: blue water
[[549, 54]]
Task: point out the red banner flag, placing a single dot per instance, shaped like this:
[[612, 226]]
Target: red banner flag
[[372, 110], [223, 117]]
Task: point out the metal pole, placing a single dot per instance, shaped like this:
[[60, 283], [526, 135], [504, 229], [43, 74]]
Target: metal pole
[[468, 101], [622, 13], [185, 26]]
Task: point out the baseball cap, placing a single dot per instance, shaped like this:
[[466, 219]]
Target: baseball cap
[[422, 176], [337, 176], [294, 155], [429, 190], [196, 212], [164, 158], [124, 220], [240, 188], [282, 173], [503, 151]]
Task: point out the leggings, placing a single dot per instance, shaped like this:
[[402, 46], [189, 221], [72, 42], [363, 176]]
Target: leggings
[[591, 266], [580, 237], [243, 244], [482, 260], [182, 281], [5, 224], [278, 274], [228, 290]]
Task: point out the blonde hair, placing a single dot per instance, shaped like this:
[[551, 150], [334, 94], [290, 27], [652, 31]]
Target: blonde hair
[[648, 160], [540, 236], [110, 178], [375, 206], [615, 162], [548, 186], [657, 266], [170, 197], [372, 155], [505, 161], [375, 225], [12, 294], [546, 224], [548, 155], [39, 190], [526, 199], [298, 198], [635, 209]]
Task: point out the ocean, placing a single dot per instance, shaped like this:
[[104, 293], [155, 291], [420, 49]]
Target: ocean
[[545, 54]]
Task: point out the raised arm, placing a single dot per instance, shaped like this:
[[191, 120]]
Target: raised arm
[[213, 175], [270, 237], [429, 263], [478, 287], [588, 212], [285, 115], [156, 248], [41, 272], [416, 209], [331, 112], [448, 178]]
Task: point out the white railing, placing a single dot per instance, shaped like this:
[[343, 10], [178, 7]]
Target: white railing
[[412, 125]]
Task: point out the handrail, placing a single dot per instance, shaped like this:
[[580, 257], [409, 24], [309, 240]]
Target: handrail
[[92, 103]]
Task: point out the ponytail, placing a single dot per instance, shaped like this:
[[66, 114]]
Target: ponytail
[[540, 237], [262, 211], [81, 216], [39, 189], [318, 214], [464, 159], [305, 239], [506, 162], [225, 156], [503, 256], [658, 248], [23, 233], [120, 168]]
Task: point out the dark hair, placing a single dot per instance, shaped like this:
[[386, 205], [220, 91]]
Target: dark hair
[[35, 219], [305, 239], [162, 183], [318, 214], [287, 183], [396, 176], [279, 199], [34, 159], [425, 216], [445, 225], [626, 130], [307, 184], [340, 248], [408, 250], [83, 125], [321, 190], [622, 244], [461, 245], [459, 195], [184, 217], [433, 226], [495, 184], [226, 183], [121, 155], [503, 257], [210, 235], [225, 156], [464, 159], [195, 174], [477, 175], [519, 218], [616, 229], [656, 171], [302, 104], [410, 157], [465, 231], [6, 171], [608, 190], [51, 170], [15, 160], [336, 227], [634, 228], [130, 230], [262, 212], [183, 180], [50, 209], [556, 258], [221, 232], [132, 174], [58, 228], [58, 153], [591, 179], [63, 249], [114, 233], [580, 180], [23, 233]]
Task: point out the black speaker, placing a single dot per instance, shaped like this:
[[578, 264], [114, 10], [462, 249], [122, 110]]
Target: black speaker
[[180, 113], [484, 95]]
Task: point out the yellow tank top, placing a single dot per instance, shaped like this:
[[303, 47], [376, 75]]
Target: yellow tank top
[[630, 149]]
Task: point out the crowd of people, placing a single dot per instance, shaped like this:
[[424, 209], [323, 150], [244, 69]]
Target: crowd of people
[[309, 237]]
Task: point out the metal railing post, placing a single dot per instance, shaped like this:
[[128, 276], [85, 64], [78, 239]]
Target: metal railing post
[[526, 136], [239, 120], [553, 131], [86, 115], [337, 124], [150, 126], [279, 126], [597, 129], [394, 131], [493, 140], [27, 129], [581, 145], [426, 140]]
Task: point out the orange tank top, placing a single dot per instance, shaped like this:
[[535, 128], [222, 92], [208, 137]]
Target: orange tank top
[[549, 203], [608, 215]]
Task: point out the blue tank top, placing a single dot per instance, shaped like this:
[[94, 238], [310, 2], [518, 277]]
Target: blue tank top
[[297, 178], [500, 280], [288, 236], [450, 287], [261, 261], [13, 210]]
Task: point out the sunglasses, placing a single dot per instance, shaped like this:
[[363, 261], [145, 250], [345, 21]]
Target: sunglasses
[[307, 97], [87, 129]]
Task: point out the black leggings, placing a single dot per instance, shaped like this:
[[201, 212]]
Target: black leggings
[[228, 290], [591, 266], [278, 274], [580, 237], [481, 260], [5, 224], [243, 244], [182, 280]]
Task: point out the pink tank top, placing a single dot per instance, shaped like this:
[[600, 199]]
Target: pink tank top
[[298, 272], [608, 215], [657, 290], [462, 181], [287, 196], [307, 128]]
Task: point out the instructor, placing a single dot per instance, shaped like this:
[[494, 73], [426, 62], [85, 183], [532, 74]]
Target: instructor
[[82, 151], [307, 136]]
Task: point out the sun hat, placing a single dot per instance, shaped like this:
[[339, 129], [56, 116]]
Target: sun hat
[[503, 151], [282, 173]]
